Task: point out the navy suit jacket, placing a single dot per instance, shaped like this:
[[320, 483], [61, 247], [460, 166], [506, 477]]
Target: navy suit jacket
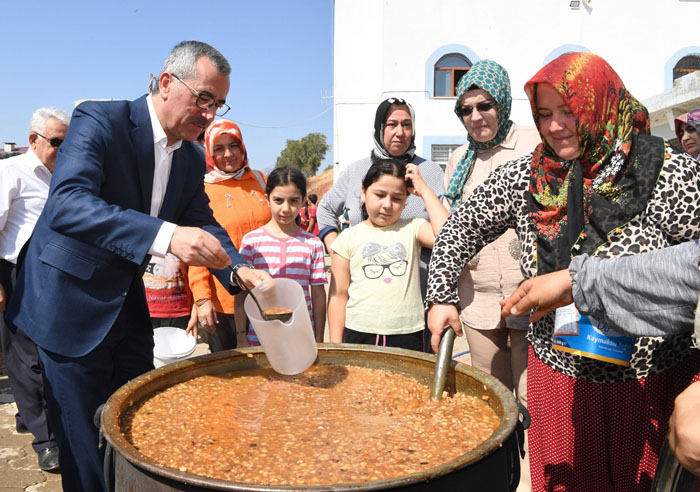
[[90, 245]]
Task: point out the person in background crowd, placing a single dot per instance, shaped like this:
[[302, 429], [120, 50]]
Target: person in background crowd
[[394, 136], [688, 132], [498, 345], [127, 184], [343, 221], [167, 292], [285, 250], [237, 197], [24, 187], [598, 185], [308, 215]]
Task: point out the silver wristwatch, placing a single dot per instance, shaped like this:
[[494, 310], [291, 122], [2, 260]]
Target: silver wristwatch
[[235, 279]]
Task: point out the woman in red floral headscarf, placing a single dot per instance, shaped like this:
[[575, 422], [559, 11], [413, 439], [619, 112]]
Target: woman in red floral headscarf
[[597, 184], [237, 198]]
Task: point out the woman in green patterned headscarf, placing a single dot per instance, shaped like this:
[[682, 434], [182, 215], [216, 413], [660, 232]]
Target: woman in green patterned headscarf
[[483, 106]]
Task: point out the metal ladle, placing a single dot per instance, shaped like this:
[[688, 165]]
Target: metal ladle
[[281, 317], [442, 364]]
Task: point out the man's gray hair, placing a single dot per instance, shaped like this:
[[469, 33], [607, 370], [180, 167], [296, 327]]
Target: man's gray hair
[[183, 58], [38, 122]]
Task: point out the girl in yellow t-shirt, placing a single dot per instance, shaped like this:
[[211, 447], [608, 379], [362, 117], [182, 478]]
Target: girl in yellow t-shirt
[[375, 291]]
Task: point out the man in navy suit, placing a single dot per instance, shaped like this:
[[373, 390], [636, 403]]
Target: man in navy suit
[[128, 184]]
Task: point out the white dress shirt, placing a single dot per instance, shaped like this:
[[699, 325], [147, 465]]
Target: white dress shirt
[[163, 160], [24, 188]]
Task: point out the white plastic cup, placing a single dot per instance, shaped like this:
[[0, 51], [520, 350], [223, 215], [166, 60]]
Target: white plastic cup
[[171, 344], [289, 347]]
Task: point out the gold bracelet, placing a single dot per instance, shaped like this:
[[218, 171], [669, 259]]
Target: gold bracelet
[[199, 302]]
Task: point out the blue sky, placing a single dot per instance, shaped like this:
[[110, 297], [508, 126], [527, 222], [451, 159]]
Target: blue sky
[[281, 53]]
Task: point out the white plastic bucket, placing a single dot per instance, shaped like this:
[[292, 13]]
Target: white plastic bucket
[[171, 345], [289, 347]]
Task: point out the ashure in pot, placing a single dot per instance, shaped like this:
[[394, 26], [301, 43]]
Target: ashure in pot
[[493, 465]]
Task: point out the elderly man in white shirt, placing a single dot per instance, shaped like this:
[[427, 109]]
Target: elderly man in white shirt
[[24, 188]]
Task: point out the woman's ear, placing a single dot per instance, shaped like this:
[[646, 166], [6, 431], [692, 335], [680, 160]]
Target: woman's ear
[[362, 195]]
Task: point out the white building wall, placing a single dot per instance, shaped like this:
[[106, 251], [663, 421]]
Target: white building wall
[[388, 48]]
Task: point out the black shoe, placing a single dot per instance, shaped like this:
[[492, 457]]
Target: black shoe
[[20, 427], [48, 458]]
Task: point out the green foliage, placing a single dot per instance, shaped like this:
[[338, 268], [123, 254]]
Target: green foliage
[[305, 154]]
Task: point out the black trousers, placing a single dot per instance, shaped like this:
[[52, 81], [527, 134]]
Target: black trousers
[[77, 386], [225, 336], [409, 341], [25, 373]]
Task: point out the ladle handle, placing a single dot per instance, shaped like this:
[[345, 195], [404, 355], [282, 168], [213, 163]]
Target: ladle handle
[[243, 286], [443, 362]]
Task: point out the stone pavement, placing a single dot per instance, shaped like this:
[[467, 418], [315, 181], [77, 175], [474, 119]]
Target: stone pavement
[[19, 470]]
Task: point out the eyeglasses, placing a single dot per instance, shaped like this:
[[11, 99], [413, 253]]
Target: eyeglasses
[[481, 107], [205, 100], [397, 100], [54, 142], [374, 270]]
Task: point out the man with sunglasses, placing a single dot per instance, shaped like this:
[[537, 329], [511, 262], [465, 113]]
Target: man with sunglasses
[[24, 187], [128, 184]]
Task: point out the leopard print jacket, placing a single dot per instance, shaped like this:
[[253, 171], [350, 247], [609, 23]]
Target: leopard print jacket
[[672, 216]]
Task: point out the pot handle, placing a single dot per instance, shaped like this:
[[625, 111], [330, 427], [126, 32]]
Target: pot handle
[[524, 421], [105, 450], [517, 449], [513, 458]]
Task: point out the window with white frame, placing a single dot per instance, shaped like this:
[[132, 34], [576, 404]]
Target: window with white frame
[[440, 153], [448, 70]]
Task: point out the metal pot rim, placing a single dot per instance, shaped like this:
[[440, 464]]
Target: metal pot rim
[[151, 381]]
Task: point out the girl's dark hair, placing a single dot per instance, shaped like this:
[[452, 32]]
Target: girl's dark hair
[[392, 167], [284, 175], [313, 198]]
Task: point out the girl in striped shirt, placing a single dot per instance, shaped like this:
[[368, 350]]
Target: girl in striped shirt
[[283, 249]]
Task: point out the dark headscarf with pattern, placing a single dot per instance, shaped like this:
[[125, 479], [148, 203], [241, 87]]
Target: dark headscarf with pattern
[[575, 204], [380, 151], [492, 78]]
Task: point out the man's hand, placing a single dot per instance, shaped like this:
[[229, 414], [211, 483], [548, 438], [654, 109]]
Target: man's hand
[[546, 292], [440, 316], [684, 433], [2, 299], [253, 277], [196, 247]]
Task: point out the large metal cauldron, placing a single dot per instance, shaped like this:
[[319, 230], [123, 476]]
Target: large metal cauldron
[[492, 466]]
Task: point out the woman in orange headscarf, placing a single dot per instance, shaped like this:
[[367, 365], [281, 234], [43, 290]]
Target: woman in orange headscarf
[[237, 198], [597, 184]]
